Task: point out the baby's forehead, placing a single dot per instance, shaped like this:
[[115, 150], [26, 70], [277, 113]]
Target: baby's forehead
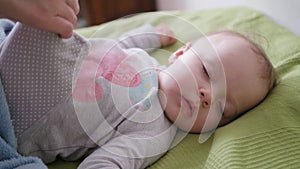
[[221, 41], [227, 36]]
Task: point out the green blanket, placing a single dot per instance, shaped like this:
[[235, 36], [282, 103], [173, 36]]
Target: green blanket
[[268, 136]]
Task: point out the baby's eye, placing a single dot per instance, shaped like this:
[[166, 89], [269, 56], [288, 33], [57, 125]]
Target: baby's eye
[[205, 71]]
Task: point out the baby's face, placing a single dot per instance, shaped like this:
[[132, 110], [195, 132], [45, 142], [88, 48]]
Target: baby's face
[[191, 86]]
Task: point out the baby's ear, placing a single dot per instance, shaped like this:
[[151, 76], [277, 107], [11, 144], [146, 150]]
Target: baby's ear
[[179, 52]]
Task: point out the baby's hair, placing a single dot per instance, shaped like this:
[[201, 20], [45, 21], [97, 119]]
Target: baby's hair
[[269, 73]]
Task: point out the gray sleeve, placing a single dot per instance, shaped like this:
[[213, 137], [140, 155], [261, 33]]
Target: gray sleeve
[[144, 37], [118, 154], [136, 146]]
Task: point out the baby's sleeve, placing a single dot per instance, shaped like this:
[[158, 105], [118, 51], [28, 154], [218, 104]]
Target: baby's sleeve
[[144, 37], [121, 153], [135, 145]]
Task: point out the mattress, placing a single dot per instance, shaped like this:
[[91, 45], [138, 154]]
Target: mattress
[[267, 136]]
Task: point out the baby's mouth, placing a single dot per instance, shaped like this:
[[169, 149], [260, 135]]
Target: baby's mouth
[[188, 106]]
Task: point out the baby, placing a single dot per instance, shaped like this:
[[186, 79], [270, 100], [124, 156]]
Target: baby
[[120, 106], [249, 77]]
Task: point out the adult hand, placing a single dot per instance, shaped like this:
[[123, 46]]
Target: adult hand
[[58, 16]]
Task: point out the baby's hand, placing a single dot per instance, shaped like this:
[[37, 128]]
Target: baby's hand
[[165, 35]]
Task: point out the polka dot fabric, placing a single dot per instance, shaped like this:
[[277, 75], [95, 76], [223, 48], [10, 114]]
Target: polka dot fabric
[[37, 68]]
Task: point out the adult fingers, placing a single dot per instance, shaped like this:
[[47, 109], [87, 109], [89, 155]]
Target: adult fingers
[[74, 5], [59, 18], [67, 13], [61, 26]]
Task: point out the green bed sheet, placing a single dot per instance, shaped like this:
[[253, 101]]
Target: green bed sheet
[[268, 136]]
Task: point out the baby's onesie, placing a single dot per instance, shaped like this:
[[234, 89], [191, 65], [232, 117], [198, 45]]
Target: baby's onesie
[[75, 98]]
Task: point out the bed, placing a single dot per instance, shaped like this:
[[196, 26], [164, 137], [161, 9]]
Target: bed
[[268, 136]]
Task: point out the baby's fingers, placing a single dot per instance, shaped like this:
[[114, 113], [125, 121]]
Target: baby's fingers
[[166, 35]]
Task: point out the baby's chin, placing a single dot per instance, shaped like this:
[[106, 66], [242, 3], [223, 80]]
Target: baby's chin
[[180, 122], [163, 102], [169, 114], [171, 117]]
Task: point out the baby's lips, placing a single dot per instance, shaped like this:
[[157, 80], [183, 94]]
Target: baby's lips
[[188, 105]]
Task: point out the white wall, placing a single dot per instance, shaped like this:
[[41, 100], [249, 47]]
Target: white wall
[[285, 12]]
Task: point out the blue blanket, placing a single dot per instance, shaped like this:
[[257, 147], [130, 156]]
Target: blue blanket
[[9, 157]]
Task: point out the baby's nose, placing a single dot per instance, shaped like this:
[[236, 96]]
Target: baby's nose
[[204, 98]]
